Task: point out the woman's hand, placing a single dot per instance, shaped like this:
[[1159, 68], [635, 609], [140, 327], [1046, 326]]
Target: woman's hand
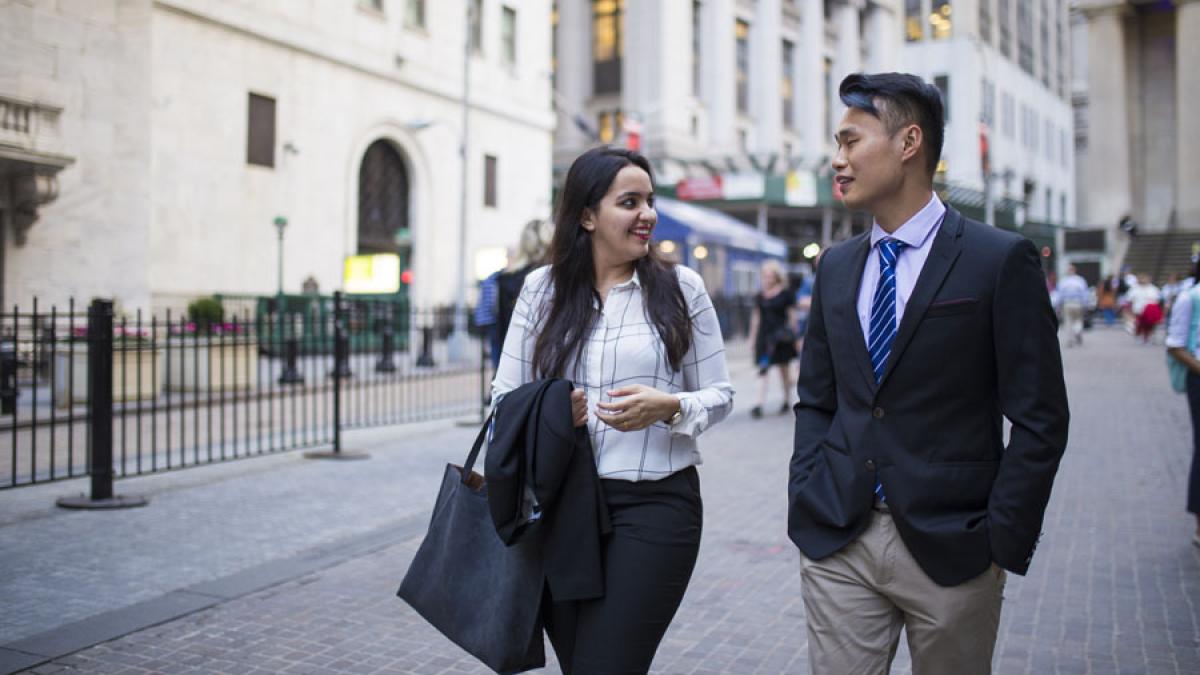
[[639, 407], [579, 407]]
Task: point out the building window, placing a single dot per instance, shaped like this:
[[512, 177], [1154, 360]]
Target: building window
[[987, 104], [942, 82], [608, 45], [743, 140], [414, 15], [489, 180], [373, 5], [608, 124], [940, 23], [1049, 140], [260, 131], [743, 66], [554, 54], [786, 87], [1009, 121], [1062, 208], [508, 35], [914, 28], [985, 21], [1062, 66], [696, 32], [829, 97], [1025, 36], [1045, 36], [1003, 18], [475, 19]]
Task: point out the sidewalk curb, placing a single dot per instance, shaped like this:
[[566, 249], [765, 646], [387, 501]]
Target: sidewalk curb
[[64, 640]]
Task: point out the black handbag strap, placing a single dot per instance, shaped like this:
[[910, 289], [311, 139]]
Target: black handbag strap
[[483, 432]]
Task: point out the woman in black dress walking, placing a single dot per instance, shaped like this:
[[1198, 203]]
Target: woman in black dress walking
[[772, 335]]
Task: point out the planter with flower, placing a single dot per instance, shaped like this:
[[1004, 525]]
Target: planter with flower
[[137, 367], [208, 353]]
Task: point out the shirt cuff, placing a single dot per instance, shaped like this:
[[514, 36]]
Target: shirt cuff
[[694, 419]]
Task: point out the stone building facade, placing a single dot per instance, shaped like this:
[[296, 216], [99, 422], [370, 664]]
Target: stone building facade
[[171, 134]]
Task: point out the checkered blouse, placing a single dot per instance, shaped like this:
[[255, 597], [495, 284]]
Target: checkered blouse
[[623, 349]]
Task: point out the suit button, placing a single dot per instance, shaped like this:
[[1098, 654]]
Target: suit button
[[877, 413], [871, 464]]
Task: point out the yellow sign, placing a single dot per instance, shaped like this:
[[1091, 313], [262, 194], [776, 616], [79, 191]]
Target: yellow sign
[[378, 273]]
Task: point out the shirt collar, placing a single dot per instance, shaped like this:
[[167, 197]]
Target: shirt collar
[[917, 230], [634, 281]]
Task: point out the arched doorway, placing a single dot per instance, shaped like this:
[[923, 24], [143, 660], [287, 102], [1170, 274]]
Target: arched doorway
[[383, 206]]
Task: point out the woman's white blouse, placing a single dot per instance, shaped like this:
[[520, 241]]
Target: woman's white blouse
[[623, 349]]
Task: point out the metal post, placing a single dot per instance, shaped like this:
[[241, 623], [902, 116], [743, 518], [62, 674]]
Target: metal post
[[425, 360], [291, 374], [100, 415], [459, 336], [340, 346], [989, 204], [386, 364], [8, 377]]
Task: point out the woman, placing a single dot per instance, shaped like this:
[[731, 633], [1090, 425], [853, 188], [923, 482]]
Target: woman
[[1179, 339], [770, 333], [640, 338], [1144, 299]]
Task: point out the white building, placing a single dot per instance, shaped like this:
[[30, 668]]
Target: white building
[[1004, 70], [748, 89], [174, 132], [1137, 95]]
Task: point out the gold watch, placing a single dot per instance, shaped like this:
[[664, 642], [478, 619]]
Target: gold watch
[[676, 418]]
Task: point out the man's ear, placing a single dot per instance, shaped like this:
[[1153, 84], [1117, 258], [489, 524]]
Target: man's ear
[[913, 142], [588, 222]]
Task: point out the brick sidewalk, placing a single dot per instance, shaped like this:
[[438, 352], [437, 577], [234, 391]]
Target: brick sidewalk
[[1113, 589]]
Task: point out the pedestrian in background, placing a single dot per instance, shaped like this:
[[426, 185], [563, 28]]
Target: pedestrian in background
[[498, 292], [771, 333], [1106, 299], [1073, 294], [1181, 334], [1145, 303], [638, 336], [926, 333]]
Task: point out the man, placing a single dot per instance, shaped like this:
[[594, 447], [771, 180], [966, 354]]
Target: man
[[1073, 293], [903, 500]]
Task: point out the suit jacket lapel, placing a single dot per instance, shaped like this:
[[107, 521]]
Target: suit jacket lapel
[[851, 287], [946, 247]]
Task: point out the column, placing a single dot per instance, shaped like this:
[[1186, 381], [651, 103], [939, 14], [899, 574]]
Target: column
[[719, 76], [573, 80], [1107, 176], [811, 94], [766, 71], [883, 32], [847, 59], [1187, 113]]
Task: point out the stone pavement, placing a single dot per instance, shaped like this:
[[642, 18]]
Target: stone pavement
[[1114, 586]]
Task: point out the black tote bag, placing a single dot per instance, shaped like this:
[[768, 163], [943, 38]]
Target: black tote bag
[[481, 594]]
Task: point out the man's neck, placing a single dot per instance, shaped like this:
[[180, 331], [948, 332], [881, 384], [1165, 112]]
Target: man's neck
[[902, 207]]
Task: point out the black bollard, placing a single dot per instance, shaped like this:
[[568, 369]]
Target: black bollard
[[386, 363], [426, 357], [341, 356], [8, 377], [291, 374]]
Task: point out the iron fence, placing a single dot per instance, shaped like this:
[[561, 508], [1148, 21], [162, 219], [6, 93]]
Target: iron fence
[[170, 391]]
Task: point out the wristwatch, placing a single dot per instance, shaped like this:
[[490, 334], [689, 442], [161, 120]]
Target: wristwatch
[[676, 418]]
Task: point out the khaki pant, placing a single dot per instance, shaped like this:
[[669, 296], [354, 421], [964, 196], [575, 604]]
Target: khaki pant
[[1073, 321], [858, 599]]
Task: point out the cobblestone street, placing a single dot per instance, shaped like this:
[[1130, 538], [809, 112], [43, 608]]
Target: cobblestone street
[[1114, 586]]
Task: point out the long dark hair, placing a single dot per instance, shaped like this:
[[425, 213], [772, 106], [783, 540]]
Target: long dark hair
[[573, 273]]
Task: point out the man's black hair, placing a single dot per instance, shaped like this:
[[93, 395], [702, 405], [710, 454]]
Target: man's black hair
[[898, 99]]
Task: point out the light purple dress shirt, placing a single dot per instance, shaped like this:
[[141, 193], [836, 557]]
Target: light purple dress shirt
[[917, 233]]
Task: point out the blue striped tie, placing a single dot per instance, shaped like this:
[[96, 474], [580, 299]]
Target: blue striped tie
[[883, 316]]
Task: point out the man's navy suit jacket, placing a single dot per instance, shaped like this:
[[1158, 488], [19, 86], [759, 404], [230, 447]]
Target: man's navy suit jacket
[[977, 343]]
